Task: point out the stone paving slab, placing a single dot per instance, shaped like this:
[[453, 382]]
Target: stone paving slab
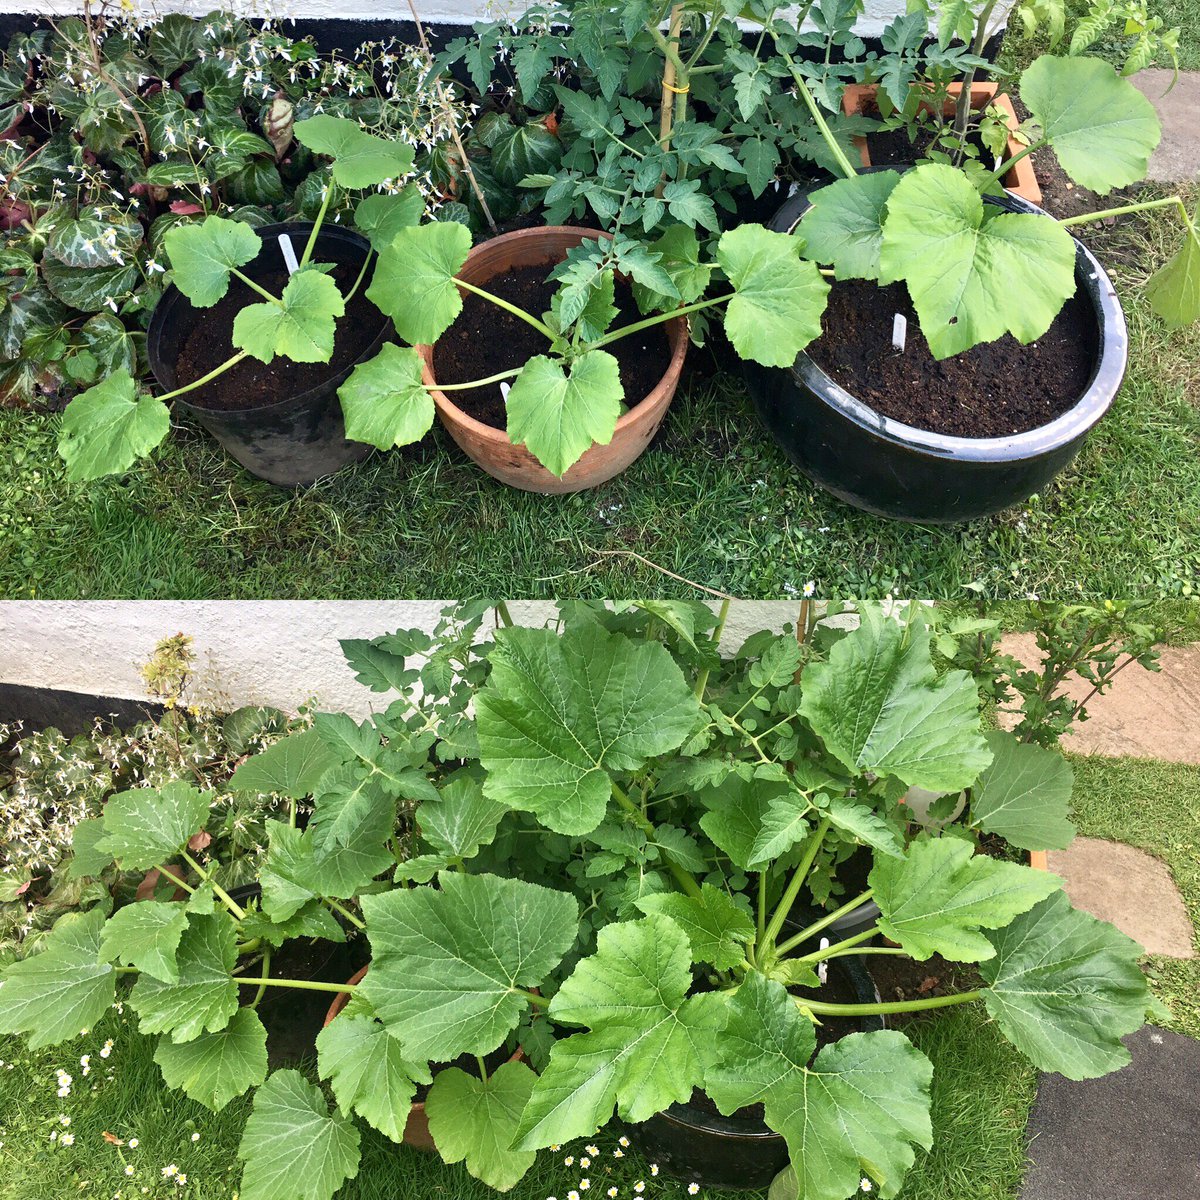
[[1147, 714], [1177, 159], [1130, 889], [1131, 1135]]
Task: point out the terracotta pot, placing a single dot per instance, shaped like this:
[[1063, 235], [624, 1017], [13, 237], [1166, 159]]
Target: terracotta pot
[[490, 447], [1038, 860], [416, 1131], [1020, 180]]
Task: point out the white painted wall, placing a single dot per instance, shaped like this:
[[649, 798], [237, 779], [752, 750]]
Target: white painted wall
[[279, 652]]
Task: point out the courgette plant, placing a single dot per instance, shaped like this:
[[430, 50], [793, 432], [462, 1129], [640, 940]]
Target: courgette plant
[[671, 808]]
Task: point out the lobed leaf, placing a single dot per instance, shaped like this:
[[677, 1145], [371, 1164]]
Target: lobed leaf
[[382, 216], [844, 226], [361, 159], [1024, 796], [385, 402], [214, 1068], [291, 767], [146, 826], [203, 254], [301, 328], [107, 428], [718, 930], [146, 935], [414, 279]]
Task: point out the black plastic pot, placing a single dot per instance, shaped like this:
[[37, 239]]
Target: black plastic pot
[[731, 1152], [897, 470], [302, 437]]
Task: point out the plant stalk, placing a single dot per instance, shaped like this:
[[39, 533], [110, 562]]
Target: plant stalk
[[1125, 209], [462, 387], [345, 912], [361, 275], [254, 287], [824, 923], [222, 895], [617, 334], [837, 948], [304, 985], [683, 877], [198, 383], [890, 1006], [702, 678], [512, 308], [799, 875]]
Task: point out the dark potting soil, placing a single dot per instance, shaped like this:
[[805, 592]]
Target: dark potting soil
[[464, 1062], [899, 977], [992, 390], [486, 340], [254, 384]]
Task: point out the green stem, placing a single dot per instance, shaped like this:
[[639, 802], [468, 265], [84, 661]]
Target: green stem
[[362, 273], [304, 985], [684, 878], [249, 947], [512, 308], [345, 912], [187, 887], [837, 947], [825, 922], [254, 287], [668, 51], [483, 1072], [533, 998], [462, 387], [504, 615], [818, 117], [310, 245], [702, 678], [897, 1006], [266, 978], [198, 383], [222, 895], [762, 905], [799, 875], [1008, 164], [658, 319], [1167, 202]]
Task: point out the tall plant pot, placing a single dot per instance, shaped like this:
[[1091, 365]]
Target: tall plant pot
[[693, 1143], [301, 437], [897, 470], [489, 447]]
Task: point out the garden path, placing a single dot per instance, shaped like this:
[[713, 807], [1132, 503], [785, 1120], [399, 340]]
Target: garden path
[[1177, 159]]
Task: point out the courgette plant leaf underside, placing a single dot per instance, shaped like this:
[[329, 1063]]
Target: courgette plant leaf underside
[[414, 280], [384, 401], [559, 714], [1174, 289]]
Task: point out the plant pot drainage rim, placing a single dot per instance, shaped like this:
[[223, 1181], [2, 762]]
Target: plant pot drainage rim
[[172, 298]]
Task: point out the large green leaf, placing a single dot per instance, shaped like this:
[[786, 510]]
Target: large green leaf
[[350, 805], [301, 328], [1025, 795], [382, 216], [462, 820], [384, 401], [146, 826], [856, 1111], [146, 935], [90, 288], [204, 254], [1065, 988], [476, 1121], [63, 989], [293, 1147], [449, 966], [974, 272], [717, 929], [529, 149], [557, 414], [414, 279], [937, 898], [864, 823], [647, 1037], [844, 226], [214, 1068], [559, 713], [291, 767], [360, 159], [779, 298], [1174, 289], [106, 429], [369, 1073], [1102, 128], [737, 810], [205, 996], [878, 706]]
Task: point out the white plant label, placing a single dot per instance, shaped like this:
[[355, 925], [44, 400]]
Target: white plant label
[[289, 253], [899, 331]]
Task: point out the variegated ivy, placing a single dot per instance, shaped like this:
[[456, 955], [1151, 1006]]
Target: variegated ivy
[[603, 844]]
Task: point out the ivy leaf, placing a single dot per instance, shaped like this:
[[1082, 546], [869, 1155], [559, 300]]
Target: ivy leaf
[[717, 928], [462, 819], [448, 966], [735, 816], [879, 706], [647, 1036], [205, 995], [146, 826], [214, 1068], [558, 414], [778, 302], [844, 226], [856, 1111], [1065, 988], [974, 273], [384, 401], [414, 279], [937, 898], [293, 1146], [1025, 795], [361, 159], [146, 935], [559, 713], [368, 1072], [382, 216], [291, 767], [204, 253], [1103, 144], [1174, 289], [475, 1121], [106, 429], [301, 328], [52, 995]]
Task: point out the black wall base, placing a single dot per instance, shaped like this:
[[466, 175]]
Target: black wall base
[[71, 712]]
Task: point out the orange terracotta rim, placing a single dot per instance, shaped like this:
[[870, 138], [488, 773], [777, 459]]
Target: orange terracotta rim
[[1020, 180], [1038, 860]]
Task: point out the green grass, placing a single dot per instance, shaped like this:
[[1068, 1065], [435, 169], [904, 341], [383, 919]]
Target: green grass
[[713, 501], [1156, 807]]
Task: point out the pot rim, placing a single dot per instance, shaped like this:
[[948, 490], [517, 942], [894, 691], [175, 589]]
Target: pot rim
[[676, 330], [172, 297], [1097, 397]]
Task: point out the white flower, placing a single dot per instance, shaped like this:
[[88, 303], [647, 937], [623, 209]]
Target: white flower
[[64, 1119], [195, 1137], [67, 1139], [809, 589], [612, 1191], [639, 1187], [693, 1189], [129, 1168], [623, 1141], [591, 1150], [133, 1143], [181, 1179], [568, 1160], [169, 1170], [654, 1170], [618, 1154], [584, 1184], [584, 1163], [865, 1186]]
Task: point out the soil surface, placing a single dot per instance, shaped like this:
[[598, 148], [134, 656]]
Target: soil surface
[[486, 340], [253, 384], [992, 390], [899, 977]]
